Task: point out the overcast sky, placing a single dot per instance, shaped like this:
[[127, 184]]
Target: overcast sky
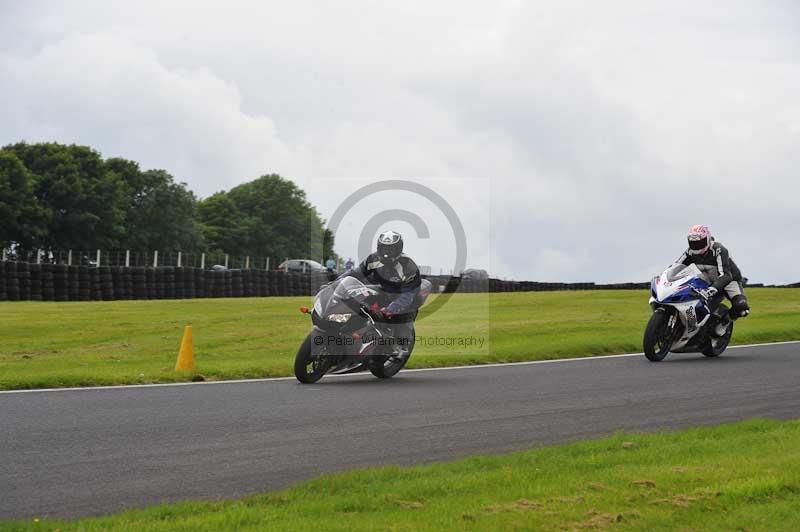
[[575, 140]]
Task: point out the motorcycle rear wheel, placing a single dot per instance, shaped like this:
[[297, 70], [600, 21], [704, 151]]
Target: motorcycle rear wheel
[[716, 346], [386, 367], [307, 369], [657, 338]]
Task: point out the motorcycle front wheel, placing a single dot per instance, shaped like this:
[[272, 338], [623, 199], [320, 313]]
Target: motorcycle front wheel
[[657, 337], [307, 368]]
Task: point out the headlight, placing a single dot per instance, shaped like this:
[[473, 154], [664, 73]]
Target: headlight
[[339, 318], [318, 307]]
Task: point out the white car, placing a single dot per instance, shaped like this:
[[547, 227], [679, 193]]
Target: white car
[[301, 265]]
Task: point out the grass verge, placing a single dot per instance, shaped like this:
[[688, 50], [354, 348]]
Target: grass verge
[[47, 344], [743, 476]]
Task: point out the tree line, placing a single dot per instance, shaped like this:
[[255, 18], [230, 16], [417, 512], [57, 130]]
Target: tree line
[[55, 196]]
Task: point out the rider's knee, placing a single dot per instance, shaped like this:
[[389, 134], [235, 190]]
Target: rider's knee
[[739, 306]]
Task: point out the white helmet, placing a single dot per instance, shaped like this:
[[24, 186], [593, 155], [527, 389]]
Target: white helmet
[[699, 238]]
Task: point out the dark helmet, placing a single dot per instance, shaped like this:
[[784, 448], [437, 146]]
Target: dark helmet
[[390, 245]]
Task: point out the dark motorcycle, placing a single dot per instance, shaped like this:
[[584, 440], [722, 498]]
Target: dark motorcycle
[[349, 335]]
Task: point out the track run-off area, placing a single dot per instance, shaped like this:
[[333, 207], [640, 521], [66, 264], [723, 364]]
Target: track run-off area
[[75, 452]]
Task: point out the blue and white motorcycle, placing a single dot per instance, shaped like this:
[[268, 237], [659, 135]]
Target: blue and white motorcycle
[[682, 321]]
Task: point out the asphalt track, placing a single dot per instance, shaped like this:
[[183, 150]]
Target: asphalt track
[[92, 451]]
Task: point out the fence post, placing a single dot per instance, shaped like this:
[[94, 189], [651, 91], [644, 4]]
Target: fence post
[[226, 261], [202, 261], [5, 254], [155, 259], [286, 265], [179, 259], [98, 258], [267, 267], [127, 258], [247, 262], [69, 258], [38, 256]]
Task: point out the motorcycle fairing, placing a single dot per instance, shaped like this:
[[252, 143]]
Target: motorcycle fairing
[[678, 287]]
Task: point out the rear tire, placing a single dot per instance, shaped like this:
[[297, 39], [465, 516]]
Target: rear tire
[[306, 369], [716, 346], [386, 367], [657, 338]]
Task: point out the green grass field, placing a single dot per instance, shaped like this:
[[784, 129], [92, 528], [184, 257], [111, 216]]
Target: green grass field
[[46, 344], [744, 476]]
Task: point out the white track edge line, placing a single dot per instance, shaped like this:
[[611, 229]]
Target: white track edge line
[[414, 370]]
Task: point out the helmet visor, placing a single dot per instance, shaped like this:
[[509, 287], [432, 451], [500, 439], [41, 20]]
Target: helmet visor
[[697, 245]]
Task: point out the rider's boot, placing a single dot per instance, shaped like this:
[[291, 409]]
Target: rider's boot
[[722, 326]]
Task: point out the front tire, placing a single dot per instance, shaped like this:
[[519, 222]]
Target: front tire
[[308, 369], [657, 337]]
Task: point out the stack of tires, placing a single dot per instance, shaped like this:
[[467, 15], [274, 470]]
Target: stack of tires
[[257, 282], [210, 283], [12, 283], [47, 282], [272, 283], [73, 283], [186, 275], [125, 289], [247, 283], [116, 283], [295, 283], [237, 283], [24, 279], [168, 273], [199, 283], [106, 283], [158, 275], [227, 275], [84, 283], [138, 283], [150, 283], [35, 287], [60, 282]]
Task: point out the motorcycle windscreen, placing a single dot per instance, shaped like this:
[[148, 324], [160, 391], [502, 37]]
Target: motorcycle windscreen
[[345, 295], [352, 289], [680, 271]]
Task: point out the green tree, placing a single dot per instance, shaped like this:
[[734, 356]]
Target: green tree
[[269, 216], [22, 222], [81, 198], [159, 213], [221, 224], [67, 197]]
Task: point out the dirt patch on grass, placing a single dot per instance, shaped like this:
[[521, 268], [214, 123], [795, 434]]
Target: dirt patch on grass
[[520, 504]]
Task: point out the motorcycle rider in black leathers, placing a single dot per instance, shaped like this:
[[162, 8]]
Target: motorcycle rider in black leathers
[[397, 274], [714, 261]]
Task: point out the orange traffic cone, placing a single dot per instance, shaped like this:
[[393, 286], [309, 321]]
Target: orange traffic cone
[[186, 354]]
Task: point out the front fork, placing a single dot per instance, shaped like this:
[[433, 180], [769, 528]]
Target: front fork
[[672, 322]]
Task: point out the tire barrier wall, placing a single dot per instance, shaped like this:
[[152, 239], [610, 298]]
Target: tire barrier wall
[[21, 281]]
